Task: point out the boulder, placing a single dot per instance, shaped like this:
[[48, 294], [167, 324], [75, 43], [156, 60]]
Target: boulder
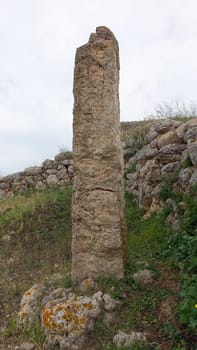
[[66, 321]]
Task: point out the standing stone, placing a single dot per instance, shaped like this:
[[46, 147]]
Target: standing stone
[[99, 234]]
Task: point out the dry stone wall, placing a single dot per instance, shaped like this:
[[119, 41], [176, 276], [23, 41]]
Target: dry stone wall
[[99, 235], [166, 154], [154, 151], [52, 173]]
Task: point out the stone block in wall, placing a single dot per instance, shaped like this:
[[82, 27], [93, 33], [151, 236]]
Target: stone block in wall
[[2, 194], [70, 170], [64, 182], [170, 169], [193, 179], [166, 125], [50, 164], [40, 185], [184, 178], [52, 180], [168, 138], [192, 152], [4, 185], [30, 180], [51, 171], [170, 153], [190, 134], [146, 153], [62, 173], [34, 170]]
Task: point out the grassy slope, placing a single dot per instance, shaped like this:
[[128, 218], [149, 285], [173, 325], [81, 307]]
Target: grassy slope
[[35, 236]]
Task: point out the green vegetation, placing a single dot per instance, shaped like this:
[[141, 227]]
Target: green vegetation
[[35, 237]]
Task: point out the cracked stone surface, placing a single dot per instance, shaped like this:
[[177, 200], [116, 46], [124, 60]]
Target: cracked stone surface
[[99, 234]]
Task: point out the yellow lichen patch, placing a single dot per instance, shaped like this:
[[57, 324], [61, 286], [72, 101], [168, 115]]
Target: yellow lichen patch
[[70, 317]]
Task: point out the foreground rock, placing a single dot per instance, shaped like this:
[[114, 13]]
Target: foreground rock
[[99, 237], [66, 319], [123, 339]]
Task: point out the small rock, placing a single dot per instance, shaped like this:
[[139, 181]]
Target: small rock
[[144, 277], [27, 346], [87, 284], [109, 303], [6, 238], [40, 186], [124, 339]]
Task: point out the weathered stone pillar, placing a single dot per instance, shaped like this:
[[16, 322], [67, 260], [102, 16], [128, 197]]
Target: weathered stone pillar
[[98, 225]]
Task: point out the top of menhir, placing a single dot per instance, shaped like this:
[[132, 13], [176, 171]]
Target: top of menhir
[[102, 36]]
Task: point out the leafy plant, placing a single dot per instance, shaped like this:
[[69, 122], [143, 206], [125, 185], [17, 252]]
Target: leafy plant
[[188, 305]]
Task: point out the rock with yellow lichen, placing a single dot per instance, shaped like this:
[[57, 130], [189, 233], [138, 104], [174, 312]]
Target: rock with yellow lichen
[[67, 321], [29, 305]]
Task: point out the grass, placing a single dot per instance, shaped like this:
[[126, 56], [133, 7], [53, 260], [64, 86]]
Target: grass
[[37, 246], [38, 231]]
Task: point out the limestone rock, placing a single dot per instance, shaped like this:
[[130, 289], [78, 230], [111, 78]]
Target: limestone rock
[[143, 277], [99, 234], [61, 173], [193, 179], [27, 346], [146, 153], [170, 168], [52, 180], [109, 303], [192, 152], [87, 284], [40, 186], [2, 194], [49, 164], [184, 178], [29, 305], [166, 125], [122, 339], [170, 153], [51, 171], [34, 170], [168, 138], [66, 321], [190, 134]]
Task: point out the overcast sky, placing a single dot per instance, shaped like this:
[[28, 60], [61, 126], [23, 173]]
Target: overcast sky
[[38, 40]]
